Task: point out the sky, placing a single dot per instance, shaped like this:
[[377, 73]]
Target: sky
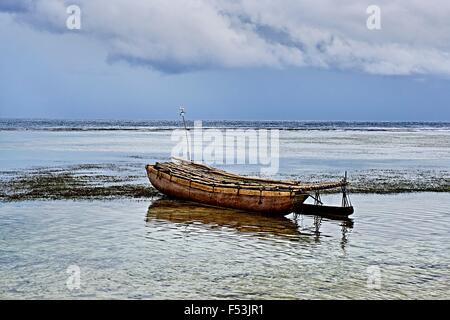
[[234, 59]]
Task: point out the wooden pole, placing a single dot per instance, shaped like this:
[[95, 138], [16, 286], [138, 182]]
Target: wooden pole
[[182, 112]]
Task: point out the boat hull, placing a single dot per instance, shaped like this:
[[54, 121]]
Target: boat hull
[[268, 202], [322, 210]]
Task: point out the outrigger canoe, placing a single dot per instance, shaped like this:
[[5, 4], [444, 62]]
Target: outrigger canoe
[[192, 181]]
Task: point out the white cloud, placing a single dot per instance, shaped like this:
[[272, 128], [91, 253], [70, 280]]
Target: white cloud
[[179, 35]]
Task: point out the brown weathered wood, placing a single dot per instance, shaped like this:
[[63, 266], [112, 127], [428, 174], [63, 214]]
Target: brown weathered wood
[[204, 184], [219, 177]]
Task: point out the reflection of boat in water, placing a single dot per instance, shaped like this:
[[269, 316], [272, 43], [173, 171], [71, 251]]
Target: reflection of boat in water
[[178, 211], [184, 212], [191, 181]]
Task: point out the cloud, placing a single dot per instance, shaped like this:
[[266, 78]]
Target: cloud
[[15, 6], [184, 35]]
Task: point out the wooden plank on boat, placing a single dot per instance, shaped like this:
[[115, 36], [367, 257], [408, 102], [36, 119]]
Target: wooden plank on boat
[[204, 184]]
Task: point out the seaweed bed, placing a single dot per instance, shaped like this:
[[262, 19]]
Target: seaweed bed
[[76, 182], [112, 181]]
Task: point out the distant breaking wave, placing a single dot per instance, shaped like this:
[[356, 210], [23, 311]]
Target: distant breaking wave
[[165, 125]]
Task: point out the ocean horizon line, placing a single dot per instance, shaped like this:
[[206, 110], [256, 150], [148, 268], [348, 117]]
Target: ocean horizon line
[[216, 120], [52, 125]]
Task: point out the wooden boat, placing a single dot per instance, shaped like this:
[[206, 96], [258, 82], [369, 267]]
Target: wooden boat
[[200, 183]]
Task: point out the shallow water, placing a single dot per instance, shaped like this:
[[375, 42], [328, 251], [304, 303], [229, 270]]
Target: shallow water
[[148, 250], [155, 249], [380, 157]]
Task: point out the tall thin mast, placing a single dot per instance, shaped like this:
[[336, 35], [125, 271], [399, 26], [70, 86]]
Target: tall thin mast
[[182, 112]]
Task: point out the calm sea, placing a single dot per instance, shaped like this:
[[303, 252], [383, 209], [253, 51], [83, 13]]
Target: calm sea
[[396, 245]]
